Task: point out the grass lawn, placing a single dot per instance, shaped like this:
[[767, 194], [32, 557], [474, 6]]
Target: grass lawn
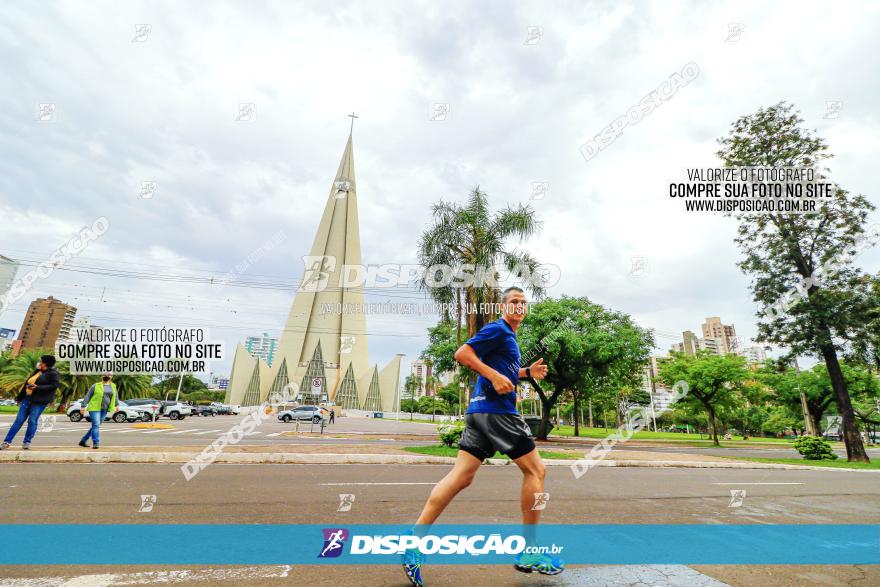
[[649, 435], [14, 410], [440, 450], [836, 464]]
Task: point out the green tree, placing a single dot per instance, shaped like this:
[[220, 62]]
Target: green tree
[[783, 253], [71, 385], [713, 381], [583, 344], [865, 347], [19, 369], [132, 386], [167, 385], [472, 235], [441, 347]]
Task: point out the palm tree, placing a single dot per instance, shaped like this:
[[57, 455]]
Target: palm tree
[[472, 235], [17, 370], [130, 386], [71, 384]]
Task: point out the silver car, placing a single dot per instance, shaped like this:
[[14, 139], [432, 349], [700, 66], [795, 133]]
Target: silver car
[[123, 413], [312, 413]]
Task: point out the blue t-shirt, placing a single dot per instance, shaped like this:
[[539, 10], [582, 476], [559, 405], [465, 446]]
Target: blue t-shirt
[[495, 345]]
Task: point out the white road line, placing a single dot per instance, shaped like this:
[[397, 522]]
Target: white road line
[[334, 484], [181, 431], [126, 431], [275, 434], [153, 431], [207, 432], [757, 484], [187, 576]]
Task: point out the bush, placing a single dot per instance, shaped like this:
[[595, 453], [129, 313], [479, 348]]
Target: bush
[[814, 448], [450, 434]]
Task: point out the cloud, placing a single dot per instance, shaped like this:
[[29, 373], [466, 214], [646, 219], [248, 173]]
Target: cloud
[[163, 110]]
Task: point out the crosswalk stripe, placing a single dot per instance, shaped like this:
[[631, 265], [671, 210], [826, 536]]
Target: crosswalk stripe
[[207, 432]]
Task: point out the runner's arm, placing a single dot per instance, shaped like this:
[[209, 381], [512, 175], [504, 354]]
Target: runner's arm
[[467, 357]]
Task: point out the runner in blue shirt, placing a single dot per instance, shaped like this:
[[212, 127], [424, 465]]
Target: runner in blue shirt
[[492, 423]]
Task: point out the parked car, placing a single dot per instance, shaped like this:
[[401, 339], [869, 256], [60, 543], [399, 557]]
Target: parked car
[[312, 413], [175, 410], [148, 405], [7, 402], [123, 413], [204, 411], [226, 410]]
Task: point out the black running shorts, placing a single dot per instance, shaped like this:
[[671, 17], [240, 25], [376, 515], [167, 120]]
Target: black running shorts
[[486, 433]]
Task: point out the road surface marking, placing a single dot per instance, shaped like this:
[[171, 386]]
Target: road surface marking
[[365, 483], [181, 431], [154, 431], [210, 576], [275, 434], [207, 432], [757, 483]]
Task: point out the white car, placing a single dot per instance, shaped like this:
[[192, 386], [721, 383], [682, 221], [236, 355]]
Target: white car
[[176, 410], [123, 413]]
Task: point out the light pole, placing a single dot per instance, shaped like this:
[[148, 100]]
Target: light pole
[[397, 389]]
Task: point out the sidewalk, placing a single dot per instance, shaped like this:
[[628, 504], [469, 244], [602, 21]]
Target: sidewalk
[[312, 454]]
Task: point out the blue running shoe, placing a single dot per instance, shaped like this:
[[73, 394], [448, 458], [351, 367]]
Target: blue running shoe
[[542, 563], [412, 566]]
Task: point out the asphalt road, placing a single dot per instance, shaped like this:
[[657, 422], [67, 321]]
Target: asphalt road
[[200, 431], [80, 493]]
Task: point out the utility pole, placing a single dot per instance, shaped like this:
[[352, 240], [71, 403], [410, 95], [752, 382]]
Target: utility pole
[[179, 385]]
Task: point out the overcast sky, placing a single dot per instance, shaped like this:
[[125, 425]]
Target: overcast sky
[[159, 105]]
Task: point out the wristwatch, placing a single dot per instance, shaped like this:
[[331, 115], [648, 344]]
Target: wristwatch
[[528, 372]]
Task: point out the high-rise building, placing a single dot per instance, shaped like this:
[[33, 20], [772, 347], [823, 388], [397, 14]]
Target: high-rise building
[[7, 335], [421, 371], [713, 328], [8, 268], [47, 320], [82, 324], [262, 347], [324, 353]]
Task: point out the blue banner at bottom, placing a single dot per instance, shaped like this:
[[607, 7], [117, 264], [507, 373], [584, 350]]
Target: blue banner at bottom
[[623, 544]]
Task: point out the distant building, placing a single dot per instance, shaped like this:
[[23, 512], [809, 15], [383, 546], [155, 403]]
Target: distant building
[[754, 354], [47, 320], [262, 347], [718, 338], [82, 324], [8, 269], [421, 370], [713, 328], [218, 382], [7, 335]]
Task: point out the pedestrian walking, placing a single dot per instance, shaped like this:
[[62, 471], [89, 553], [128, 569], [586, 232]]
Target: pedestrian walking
[[99, 400], [35, 394]]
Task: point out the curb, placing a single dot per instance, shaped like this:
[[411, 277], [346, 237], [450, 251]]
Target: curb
[[33, 456]]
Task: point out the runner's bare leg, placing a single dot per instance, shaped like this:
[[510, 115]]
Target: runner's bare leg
[[533, 471], [458, 478]]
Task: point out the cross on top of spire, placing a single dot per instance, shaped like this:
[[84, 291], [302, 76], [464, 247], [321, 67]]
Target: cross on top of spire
[[352, 116]]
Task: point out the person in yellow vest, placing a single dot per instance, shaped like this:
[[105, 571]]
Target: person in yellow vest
[[100, 399]]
